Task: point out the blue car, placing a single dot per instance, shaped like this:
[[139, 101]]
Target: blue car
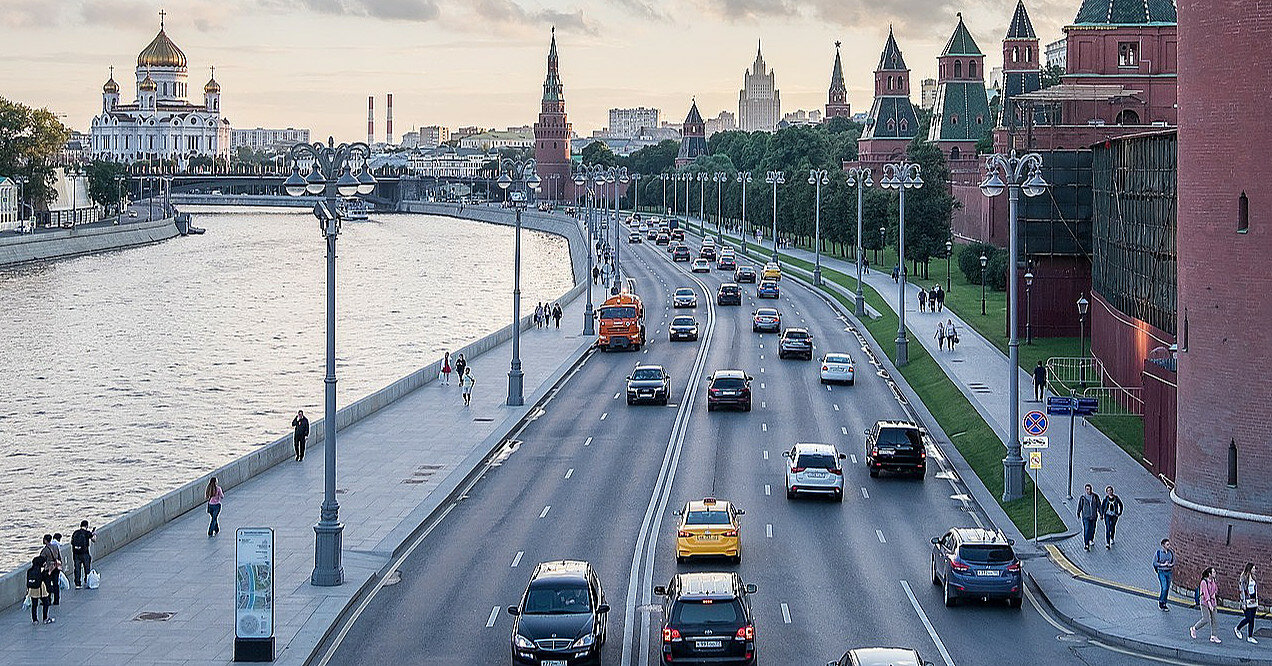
[[977, 564], [767, 289]]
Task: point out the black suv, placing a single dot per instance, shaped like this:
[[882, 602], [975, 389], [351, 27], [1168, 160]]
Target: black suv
[[744, 274], [648, 383], [561, 617], [896, 446], [729, 388], [707, 252], [707, 619], [729, 294], [796, 342], [681, 253]]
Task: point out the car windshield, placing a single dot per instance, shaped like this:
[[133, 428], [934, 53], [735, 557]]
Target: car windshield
[[707, 518], [796, 335], [817, 460], [707, 612], [986, 554], [647, 373], [729, 383], [618, 312], [682, 321], [557, 600], [903, 437], [684, 292], [837, 358], [746, 270]]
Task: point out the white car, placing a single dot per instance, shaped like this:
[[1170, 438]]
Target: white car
[[701, 266], [814, 469], [838, 367], [684, 298], [644, 228]]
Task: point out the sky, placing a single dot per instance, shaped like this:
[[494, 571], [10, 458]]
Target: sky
[[313, 63]]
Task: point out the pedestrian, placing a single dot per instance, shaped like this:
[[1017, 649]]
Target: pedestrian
[[556, 314], [596, 274], [460, 364], [1040, 381], [923, 297], [1088, 513], [865, 265], [1164, 563], [940, 335], [896, 274], [52, 554], [936, 298], [38, 589], [1111, 508], [300, 434], [951, 333], [446, 369], [80, 551], [213, 494], [467, 382], [1249, 602], [1208, 593]]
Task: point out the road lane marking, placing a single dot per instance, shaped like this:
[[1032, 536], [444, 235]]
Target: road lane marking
[[786, 613], [854, 458], [844, 430], [763, 404], [548, 508], [766, 455], [836, 407], [827, 387], [516, 560], [879, 533], [761, 358], [587, 442], [616, 394], [864, 493], [768, 530], [940, 646], [761, 384], [768, 490], [569, 472], [761, 369], [764, 427], [494, 615], [604, 415]]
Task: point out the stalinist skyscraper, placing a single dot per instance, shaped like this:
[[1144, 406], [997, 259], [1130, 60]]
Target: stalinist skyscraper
[[759, 102]]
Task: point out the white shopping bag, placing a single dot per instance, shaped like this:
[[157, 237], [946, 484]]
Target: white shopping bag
[[93, 579]]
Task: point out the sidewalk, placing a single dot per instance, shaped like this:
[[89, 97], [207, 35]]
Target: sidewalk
[[169, 596], [1111, 593]]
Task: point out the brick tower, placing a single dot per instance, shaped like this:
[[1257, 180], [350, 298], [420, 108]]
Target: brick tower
[[837, 105], [1021, 70], [961, 115], [892, 123], [552, 135], [1223, 483], [693, 138]]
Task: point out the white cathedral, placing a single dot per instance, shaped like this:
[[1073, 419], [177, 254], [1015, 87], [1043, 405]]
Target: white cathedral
[[161, 123]]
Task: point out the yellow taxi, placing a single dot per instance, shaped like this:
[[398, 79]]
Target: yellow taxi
[[771, 272], [709, 527]]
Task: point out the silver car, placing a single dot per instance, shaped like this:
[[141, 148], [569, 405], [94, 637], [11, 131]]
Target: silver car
[[684, 297], [814, 469]]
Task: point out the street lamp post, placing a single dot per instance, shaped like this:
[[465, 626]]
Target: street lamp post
[[663, 177], [119, 198], [817, 178], [860, 178], [702, 179], [883, 243], [688, 179], [775, 178], [523, 173], [1022, 174], [744, 177], [1029, 276], [949, 255], [616, 176], [73, 173], [984, 261], [22, 181], [330, 174], [636, 199], [719, 177], [1083, 306], [901, 176], [583, 180]]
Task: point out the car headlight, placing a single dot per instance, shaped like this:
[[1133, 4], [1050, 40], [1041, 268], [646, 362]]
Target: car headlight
[[523, 642], [583, 642]]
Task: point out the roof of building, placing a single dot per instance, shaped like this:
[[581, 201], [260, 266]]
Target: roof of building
[[1074, 92], [148, 84], [552, 88], [694, 117], [890, 59], [961, 42], [961, 112], [900, 111], [161, 52], [1021, 27], [837, 74], [212, 86], [1126, 12]]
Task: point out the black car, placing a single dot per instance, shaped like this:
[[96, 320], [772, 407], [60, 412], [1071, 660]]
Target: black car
[[683, 327], [707, 619], [648, 383], [729, 388], [707, 252], [662, 239], [744, 274], [561, 617], [726, 262], [681, 253], [729, 294], [797, 342], [896, 446]]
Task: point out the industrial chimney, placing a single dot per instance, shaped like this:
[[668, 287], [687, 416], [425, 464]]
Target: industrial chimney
[[370, 120], [388, 138]]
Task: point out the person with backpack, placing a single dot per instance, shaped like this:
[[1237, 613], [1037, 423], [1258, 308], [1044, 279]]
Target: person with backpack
[[52, 554], [1208, 596], [1111, 509], [38, 589], [1164, 564], [1249, 602], [80, 542]]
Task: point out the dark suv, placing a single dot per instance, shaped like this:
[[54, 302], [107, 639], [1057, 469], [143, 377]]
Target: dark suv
[[797, 342], [561, 617], [729, 388], [707, 619], [729, 294], [744, 274], [896, 446], [648, 383], [977, 563], [681, 253]]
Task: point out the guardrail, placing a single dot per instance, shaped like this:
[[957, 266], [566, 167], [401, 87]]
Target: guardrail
[[1085, 377]]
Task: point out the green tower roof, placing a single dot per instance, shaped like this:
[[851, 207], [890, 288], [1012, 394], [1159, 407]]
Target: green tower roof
[[961, 42], [1126, 12]]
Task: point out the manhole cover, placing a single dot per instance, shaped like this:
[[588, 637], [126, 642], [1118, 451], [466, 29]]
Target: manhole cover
[[1101, 469], [154, 616]]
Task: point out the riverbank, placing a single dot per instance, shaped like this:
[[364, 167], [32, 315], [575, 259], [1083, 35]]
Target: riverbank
[[50, 244]]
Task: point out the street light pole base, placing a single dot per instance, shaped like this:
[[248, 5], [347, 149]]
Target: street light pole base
[[589, 322], [1013, 477], [903, 350], [817, 278], [516, 378], [328, 572], [860, 310]]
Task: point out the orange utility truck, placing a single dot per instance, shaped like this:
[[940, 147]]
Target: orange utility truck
[[622, 322]]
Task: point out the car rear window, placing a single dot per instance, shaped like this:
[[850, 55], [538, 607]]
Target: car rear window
[[837, 358], [707, 518], [728, 289], [746, 270], [817, 461], [647, 373], [766, 313], [729, 383], [682, 321], [797, 335], [707, 611], [986, 554], [557, 599], [902, 437]]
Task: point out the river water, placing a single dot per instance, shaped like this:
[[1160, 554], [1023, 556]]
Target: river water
[[129, 373]]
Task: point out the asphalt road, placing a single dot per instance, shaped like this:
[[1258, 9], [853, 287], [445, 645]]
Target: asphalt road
[[595, 479]]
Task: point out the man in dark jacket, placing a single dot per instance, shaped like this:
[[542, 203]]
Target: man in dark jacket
[[1111, 509], [80, 551], [52, 554], [1040, 381], [1088, 513], [301, 424]]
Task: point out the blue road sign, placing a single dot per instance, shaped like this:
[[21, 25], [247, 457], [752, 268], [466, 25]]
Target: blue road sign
[[1087, 406], [1060, 405], [1035, 423]]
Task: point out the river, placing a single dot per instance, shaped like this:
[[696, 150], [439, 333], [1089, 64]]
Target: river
[[129, 373]]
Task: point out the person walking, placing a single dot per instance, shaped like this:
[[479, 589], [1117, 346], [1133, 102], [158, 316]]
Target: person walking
[[1111, 508], [38, 589], [596, 274], [81, 540], [1208, 594], [460, 364], [446, 369], [940, 335], [923, 297], [940, 299], [1164, 563], [1249, 602], [865, 265], [300, 433], [52, 554], [1040, 381], [467, 382], [1088, 513], [896, 274], [556, 314], [213, 494], [951, 333]]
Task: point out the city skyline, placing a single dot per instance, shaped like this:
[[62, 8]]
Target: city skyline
[[282, 62]]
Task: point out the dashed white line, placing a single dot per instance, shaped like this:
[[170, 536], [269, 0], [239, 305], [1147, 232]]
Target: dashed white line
[[844, 430], [940, 646], [865, 494], [588, 442], [761, 384], [569, 472], [879, 533], [836, 407], [494, 615], [617, 394], [604, 415], [766, 455], [517, 559], [786, 613], [854, 458], [761, 369], [768, 490], [763, 404], [768, 530], [764, 427], [548, 508], [827, 388], [761, 358]]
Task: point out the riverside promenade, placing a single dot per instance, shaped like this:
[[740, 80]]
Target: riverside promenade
[[168, 597]]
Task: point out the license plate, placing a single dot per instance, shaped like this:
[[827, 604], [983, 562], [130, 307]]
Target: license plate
[[555, 662], [702, 645], [887, 452], [728, 393], [816, 475], [986, 572], [708, 537]]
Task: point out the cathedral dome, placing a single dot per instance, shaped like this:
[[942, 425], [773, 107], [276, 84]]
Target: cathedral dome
[[212, 87], [161, 52], [148, 84], [111, 87]]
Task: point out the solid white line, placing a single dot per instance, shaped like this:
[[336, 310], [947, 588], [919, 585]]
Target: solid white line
[[768, 490], [587, 442], [786, 613], [494, 615], [569, 472], [517, 560], [604, 415], [853, 456], [768, 530], [864, 493], [940, 646], [836, 407], [879, 533], [548, 508], [766, 455], [843, 430]]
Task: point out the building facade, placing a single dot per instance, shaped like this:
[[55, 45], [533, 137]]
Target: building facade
[[693, 138], [446, 162], [629, 122], [161, 123], [493, 140], [725, 122], [892, 123], [927, 94], [8, 204], [961, 114], [432, 136], [759, 101], [837, 105], [267, 139], [1057, 54], [552, 134]]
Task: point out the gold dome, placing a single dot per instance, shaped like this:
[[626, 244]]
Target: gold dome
[[212, 86], [111, 87], [148, 84], [161, 53]]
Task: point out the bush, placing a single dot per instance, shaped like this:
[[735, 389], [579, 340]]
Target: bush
[[969, 259], [996, 271]]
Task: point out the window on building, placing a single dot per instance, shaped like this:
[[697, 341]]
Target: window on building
[[954, 119], [958, 69], [1127, 117], [1028, 54], [1128, 54], [1015, 54], [954, 153], [980, 119], [904, 125], [971, 69], [892, 125], [1243, 214]]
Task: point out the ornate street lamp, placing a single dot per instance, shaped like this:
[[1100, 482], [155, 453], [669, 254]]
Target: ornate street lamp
[[522, 173], [901, 176], [583, 181], [744, 177], [703, 177], [949, 255], [775, 178], [860, 178], [817, 178], [719, 177], [1083, 306], [329, 175]]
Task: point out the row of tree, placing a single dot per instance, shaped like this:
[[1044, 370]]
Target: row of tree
[[30, 140]]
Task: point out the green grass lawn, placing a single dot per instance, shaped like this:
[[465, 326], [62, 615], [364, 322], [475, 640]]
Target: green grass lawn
[[1125, 431]]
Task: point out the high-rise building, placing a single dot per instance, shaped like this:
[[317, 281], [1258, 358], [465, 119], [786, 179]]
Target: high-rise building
[[892, 122], [552, 133], [724, 122], [759, 101], [261, 138], [432, 136], [627, 123], [961, 115], [693, 138], [837, 105], [927, 94]]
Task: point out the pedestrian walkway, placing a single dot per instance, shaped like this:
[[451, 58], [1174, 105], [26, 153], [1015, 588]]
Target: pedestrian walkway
[[169, 596]]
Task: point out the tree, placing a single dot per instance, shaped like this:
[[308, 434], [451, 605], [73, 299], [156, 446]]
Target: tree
[[30, 140], [102, 188], [598, 153], [930, 208], [969, 260], [653, 159], [1052, 75]]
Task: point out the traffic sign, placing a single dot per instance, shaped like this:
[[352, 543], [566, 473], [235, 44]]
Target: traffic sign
[[1034, 443], [1060, 406], [1035, 423], [1035, 460], [1087, 406]]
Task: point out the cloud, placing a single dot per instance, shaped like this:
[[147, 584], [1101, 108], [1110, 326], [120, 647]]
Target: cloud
[[507, 13], [389, 10], [641, 9], [749, 10]]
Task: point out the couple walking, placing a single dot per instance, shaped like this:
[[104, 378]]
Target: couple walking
[[461, 364], [545, 312], [1092, 508], [946, 333]]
